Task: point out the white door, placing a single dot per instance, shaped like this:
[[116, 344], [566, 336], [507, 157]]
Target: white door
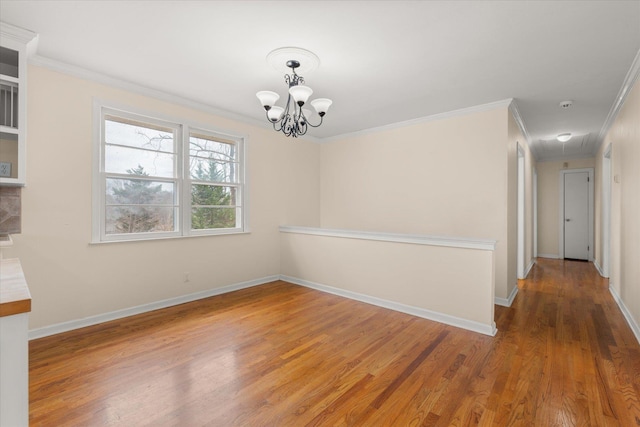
[[576, 215]]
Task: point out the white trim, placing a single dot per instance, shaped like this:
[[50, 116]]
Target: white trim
[[627, 85], [131, 311], [101, 78], [520, 213], [606, 188], [590, 219], [635, 328], [245, 187], [22, 41], [529, 267], [506, 302], [515, 112], [550, 256], [231, 232], [417, 239], [403, 308], [510, 103], [17, 34], [426, 119], [182, 127], [535, 212], [597, 266]]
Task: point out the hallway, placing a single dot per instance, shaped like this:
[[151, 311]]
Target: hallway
[[574, 360]]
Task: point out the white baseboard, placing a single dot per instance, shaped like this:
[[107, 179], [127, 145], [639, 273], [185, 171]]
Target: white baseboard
[[597, 266], [529, 267], [414, 311], [626, 313], [550, 256], [506, 302], [119, 314]]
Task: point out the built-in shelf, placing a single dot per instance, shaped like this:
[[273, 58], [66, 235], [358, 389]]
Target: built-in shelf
[[15, 42]]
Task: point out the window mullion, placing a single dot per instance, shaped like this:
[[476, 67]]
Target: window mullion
[[129, 176], [130, 147], [103, 178], [185, 187]]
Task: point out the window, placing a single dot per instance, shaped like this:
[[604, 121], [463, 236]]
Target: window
[[155, 178]]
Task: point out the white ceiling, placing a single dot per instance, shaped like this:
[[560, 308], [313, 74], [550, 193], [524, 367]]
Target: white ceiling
[[382, 62]]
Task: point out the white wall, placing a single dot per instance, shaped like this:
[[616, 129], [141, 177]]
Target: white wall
[[446, 177], [548, 202], [71, 279], [418, 278], [624, 271]]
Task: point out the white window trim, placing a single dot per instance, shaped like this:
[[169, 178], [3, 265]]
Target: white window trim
[[183, 182]]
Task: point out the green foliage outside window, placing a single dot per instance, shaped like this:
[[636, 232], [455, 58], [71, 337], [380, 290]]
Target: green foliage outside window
[[213, 206]]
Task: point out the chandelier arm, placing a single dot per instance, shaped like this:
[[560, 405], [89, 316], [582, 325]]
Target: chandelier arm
[[315, 126], [301, 122]]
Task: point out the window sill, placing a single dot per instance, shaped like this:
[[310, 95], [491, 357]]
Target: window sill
[[155, 239]]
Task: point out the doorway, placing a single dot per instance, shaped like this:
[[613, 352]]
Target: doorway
[[576, 214]]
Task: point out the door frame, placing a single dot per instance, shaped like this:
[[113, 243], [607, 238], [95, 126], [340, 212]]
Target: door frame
[[590, 221], [520, 252], [535, 213], [606, 211]]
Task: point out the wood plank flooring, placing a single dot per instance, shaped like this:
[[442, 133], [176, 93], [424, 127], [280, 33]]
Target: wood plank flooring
[[284, 355]]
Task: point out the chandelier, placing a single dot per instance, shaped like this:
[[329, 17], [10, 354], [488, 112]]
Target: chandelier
[[293, 119]]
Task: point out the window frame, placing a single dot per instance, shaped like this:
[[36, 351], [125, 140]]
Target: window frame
[[238, 184], [181, 179]]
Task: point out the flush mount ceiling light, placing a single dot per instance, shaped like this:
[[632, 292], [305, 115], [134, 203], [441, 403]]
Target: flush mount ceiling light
[[292, 119], [565, 104], [564, 137]]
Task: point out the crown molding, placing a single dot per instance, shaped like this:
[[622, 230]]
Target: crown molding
[[101, 78], [18, 34], [440, 116], [627, 85], [105, 79], [94, 76], [515, 112]]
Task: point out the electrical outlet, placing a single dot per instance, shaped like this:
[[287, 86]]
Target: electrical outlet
[[186, 277]]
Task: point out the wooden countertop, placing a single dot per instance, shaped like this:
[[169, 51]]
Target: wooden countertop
[[15, 297]]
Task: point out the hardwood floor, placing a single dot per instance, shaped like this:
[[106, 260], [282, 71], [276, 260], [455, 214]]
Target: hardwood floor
[[284, 355]]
